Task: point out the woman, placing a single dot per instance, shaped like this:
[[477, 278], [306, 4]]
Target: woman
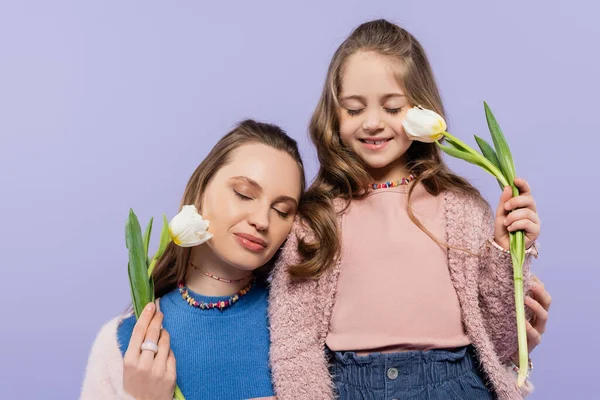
[[213, 296]]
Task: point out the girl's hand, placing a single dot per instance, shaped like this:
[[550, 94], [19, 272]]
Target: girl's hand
[[522, 216], [146, 375], [538, 301]]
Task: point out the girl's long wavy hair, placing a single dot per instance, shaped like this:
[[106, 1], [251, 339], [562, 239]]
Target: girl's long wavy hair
[[342, 174]]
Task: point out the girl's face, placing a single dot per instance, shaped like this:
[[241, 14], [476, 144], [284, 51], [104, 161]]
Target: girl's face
[[250, 204], [372, 107]]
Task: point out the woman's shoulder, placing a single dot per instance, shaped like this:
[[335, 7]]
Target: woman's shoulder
[[108, 332], [106, 345], [110, 335], [124, 330], [104, 370]]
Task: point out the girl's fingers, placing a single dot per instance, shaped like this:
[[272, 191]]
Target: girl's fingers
[[531, 229], [520, 201], [523, 186], [522, 213], [541, 295], [533, 337], [504, 197], [540, 314]]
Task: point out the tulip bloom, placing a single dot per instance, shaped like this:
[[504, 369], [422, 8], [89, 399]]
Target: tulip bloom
[[424, 125], [188, 229]]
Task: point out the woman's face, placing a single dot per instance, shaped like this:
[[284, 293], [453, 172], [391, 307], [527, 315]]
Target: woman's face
[[251, 203]]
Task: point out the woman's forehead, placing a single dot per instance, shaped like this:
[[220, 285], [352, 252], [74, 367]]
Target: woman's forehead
[[274, 170]]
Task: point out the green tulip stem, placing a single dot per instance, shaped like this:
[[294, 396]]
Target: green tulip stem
[[491, 167]]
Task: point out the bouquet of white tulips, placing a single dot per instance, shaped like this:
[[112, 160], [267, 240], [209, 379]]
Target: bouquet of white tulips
[[428, 126], [186, 229]]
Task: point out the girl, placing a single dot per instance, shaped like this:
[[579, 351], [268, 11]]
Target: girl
[[399, 275], [248, 188]]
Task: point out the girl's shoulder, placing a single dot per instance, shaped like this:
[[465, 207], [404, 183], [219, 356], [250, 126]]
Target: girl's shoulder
[[289, 252], [301, 229], [466, 203]]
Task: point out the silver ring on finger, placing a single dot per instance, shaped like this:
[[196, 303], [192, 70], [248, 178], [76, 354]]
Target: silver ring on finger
[[150, 345]]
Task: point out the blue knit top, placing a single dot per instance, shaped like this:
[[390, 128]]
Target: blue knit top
[[221, 355]]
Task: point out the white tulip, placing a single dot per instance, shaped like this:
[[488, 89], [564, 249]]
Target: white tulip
[[424, 125], [188, 229]]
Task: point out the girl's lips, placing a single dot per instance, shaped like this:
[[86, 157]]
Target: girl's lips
[[374, 144]]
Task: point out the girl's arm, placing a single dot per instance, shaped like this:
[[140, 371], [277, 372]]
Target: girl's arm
[[496, 291], [298, 362]]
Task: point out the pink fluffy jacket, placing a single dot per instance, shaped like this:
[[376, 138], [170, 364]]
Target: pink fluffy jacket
[[300, 310]]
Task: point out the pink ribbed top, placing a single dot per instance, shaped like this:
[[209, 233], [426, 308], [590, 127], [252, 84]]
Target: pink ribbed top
[[394, 290]]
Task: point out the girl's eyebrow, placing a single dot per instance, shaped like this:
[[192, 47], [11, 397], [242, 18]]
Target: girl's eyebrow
[[361, 98]]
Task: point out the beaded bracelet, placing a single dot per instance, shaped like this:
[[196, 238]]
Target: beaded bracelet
[[516, 369], [532, 250]]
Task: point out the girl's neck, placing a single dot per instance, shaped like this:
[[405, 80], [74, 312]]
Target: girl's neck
[[203, 260], [392, 172]]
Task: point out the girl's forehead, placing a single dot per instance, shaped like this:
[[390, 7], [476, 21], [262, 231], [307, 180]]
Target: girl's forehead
[[369, 72]]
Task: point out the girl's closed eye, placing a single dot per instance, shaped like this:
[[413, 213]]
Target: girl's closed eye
[[393, 111], [352, 112]]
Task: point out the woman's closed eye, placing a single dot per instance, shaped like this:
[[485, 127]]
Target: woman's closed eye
[[242, 196], [282, 214]]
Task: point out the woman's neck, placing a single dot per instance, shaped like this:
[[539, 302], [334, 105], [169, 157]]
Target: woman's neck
[[203, 262]]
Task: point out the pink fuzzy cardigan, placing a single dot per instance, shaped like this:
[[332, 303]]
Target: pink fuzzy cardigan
[[300, 311]]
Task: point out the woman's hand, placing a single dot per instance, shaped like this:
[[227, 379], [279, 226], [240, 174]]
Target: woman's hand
[[149, 374]]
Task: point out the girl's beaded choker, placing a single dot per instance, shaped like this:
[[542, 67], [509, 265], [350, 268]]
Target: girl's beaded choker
[[403, 181], [219, 304]]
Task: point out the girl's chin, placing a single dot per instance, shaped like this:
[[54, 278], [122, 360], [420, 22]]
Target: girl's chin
[[380, 163]]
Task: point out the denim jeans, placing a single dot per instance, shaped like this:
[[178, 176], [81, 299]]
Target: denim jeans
[[419, 375]]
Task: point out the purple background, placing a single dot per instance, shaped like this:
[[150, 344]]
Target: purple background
[[108, 105]]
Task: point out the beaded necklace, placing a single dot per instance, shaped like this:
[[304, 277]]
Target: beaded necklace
[[220, 304], [403, 181]]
